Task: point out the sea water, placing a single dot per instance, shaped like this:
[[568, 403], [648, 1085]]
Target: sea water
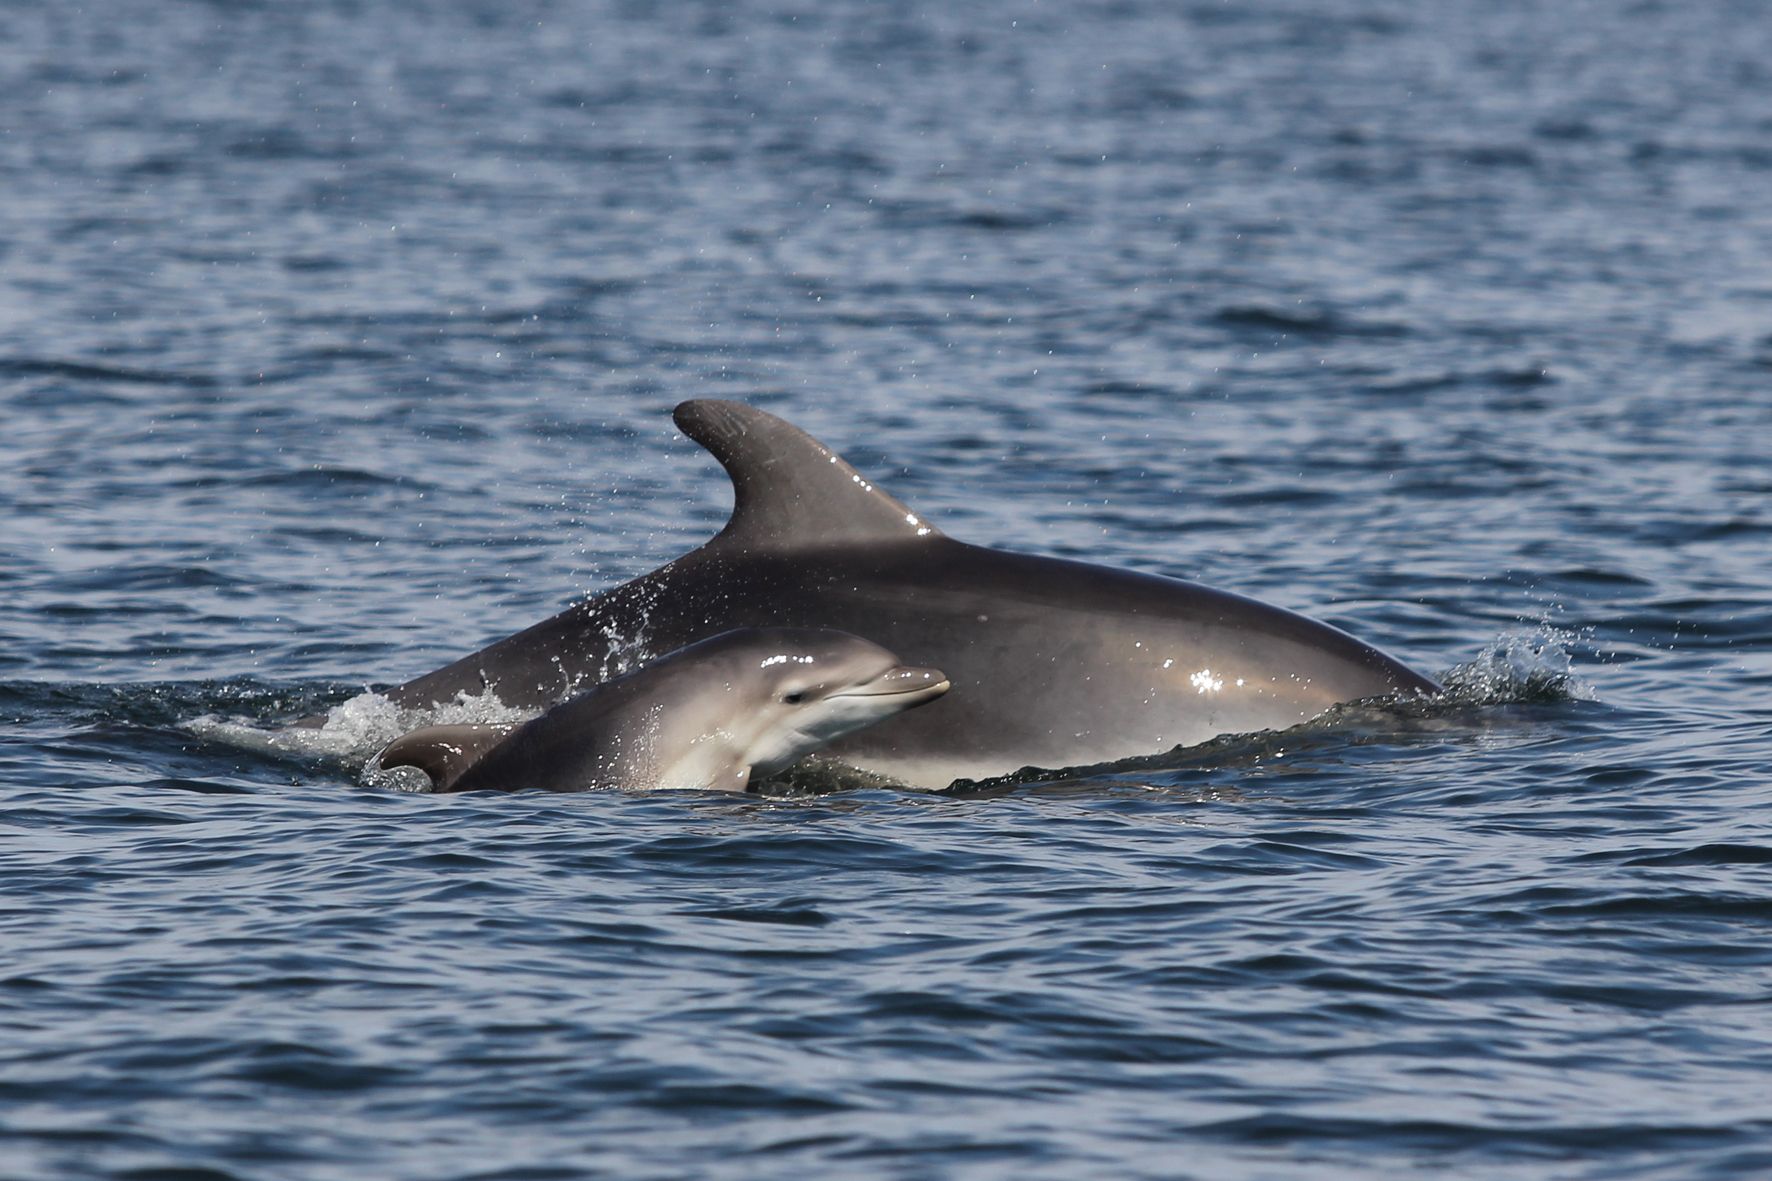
[[337, 340]]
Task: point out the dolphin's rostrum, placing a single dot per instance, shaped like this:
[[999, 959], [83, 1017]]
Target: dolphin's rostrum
[[1053, 663], [712, 715]]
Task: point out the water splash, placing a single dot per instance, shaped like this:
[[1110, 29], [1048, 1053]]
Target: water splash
[[356, 730], [1520, 668]]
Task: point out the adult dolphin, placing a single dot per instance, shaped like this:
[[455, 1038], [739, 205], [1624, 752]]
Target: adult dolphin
[[710, 716], [1053, 663]]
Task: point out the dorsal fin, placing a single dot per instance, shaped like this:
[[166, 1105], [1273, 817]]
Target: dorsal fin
[[788, 488], [443, 752]]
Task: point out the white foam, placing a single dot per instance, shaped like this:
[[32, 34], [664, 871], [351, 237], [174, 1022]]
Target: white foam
[[355, 731], [1516, 667]]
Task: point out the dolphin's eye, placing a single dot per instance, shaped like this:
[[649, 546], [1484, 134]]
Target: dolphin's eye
[[794, 698]]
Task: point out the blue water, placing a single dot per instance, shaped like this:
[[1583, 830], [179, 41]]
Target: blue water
[[337, 340]]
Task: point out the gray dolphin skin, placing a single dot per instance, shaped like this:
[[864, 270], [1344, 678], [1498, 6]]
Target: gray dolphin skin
[[710, 716], [1053, 663]]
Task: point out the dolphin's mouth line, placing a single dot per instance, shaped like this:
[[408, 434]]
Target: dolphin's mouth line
[[897, 688]]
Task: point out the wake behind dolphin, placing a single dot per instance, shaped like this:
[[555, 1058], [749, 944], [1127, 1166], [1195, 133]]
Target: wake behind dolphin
[[1052, 662]]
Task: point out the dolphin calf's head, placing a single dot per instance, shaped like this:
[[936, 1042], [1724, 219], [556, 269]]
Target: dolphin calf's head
[[797, 689]]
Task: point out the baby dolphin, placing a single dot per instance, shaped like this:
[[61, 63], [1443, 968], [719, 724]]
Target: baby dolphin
[[711, 715]]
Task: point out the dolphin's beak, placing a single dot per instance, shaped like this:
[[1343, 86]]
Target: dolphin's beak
[[913, 686]]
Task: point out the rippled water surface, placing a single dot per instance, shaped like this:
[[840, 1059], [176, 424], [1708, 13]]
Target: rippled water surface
[[337, 340]]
